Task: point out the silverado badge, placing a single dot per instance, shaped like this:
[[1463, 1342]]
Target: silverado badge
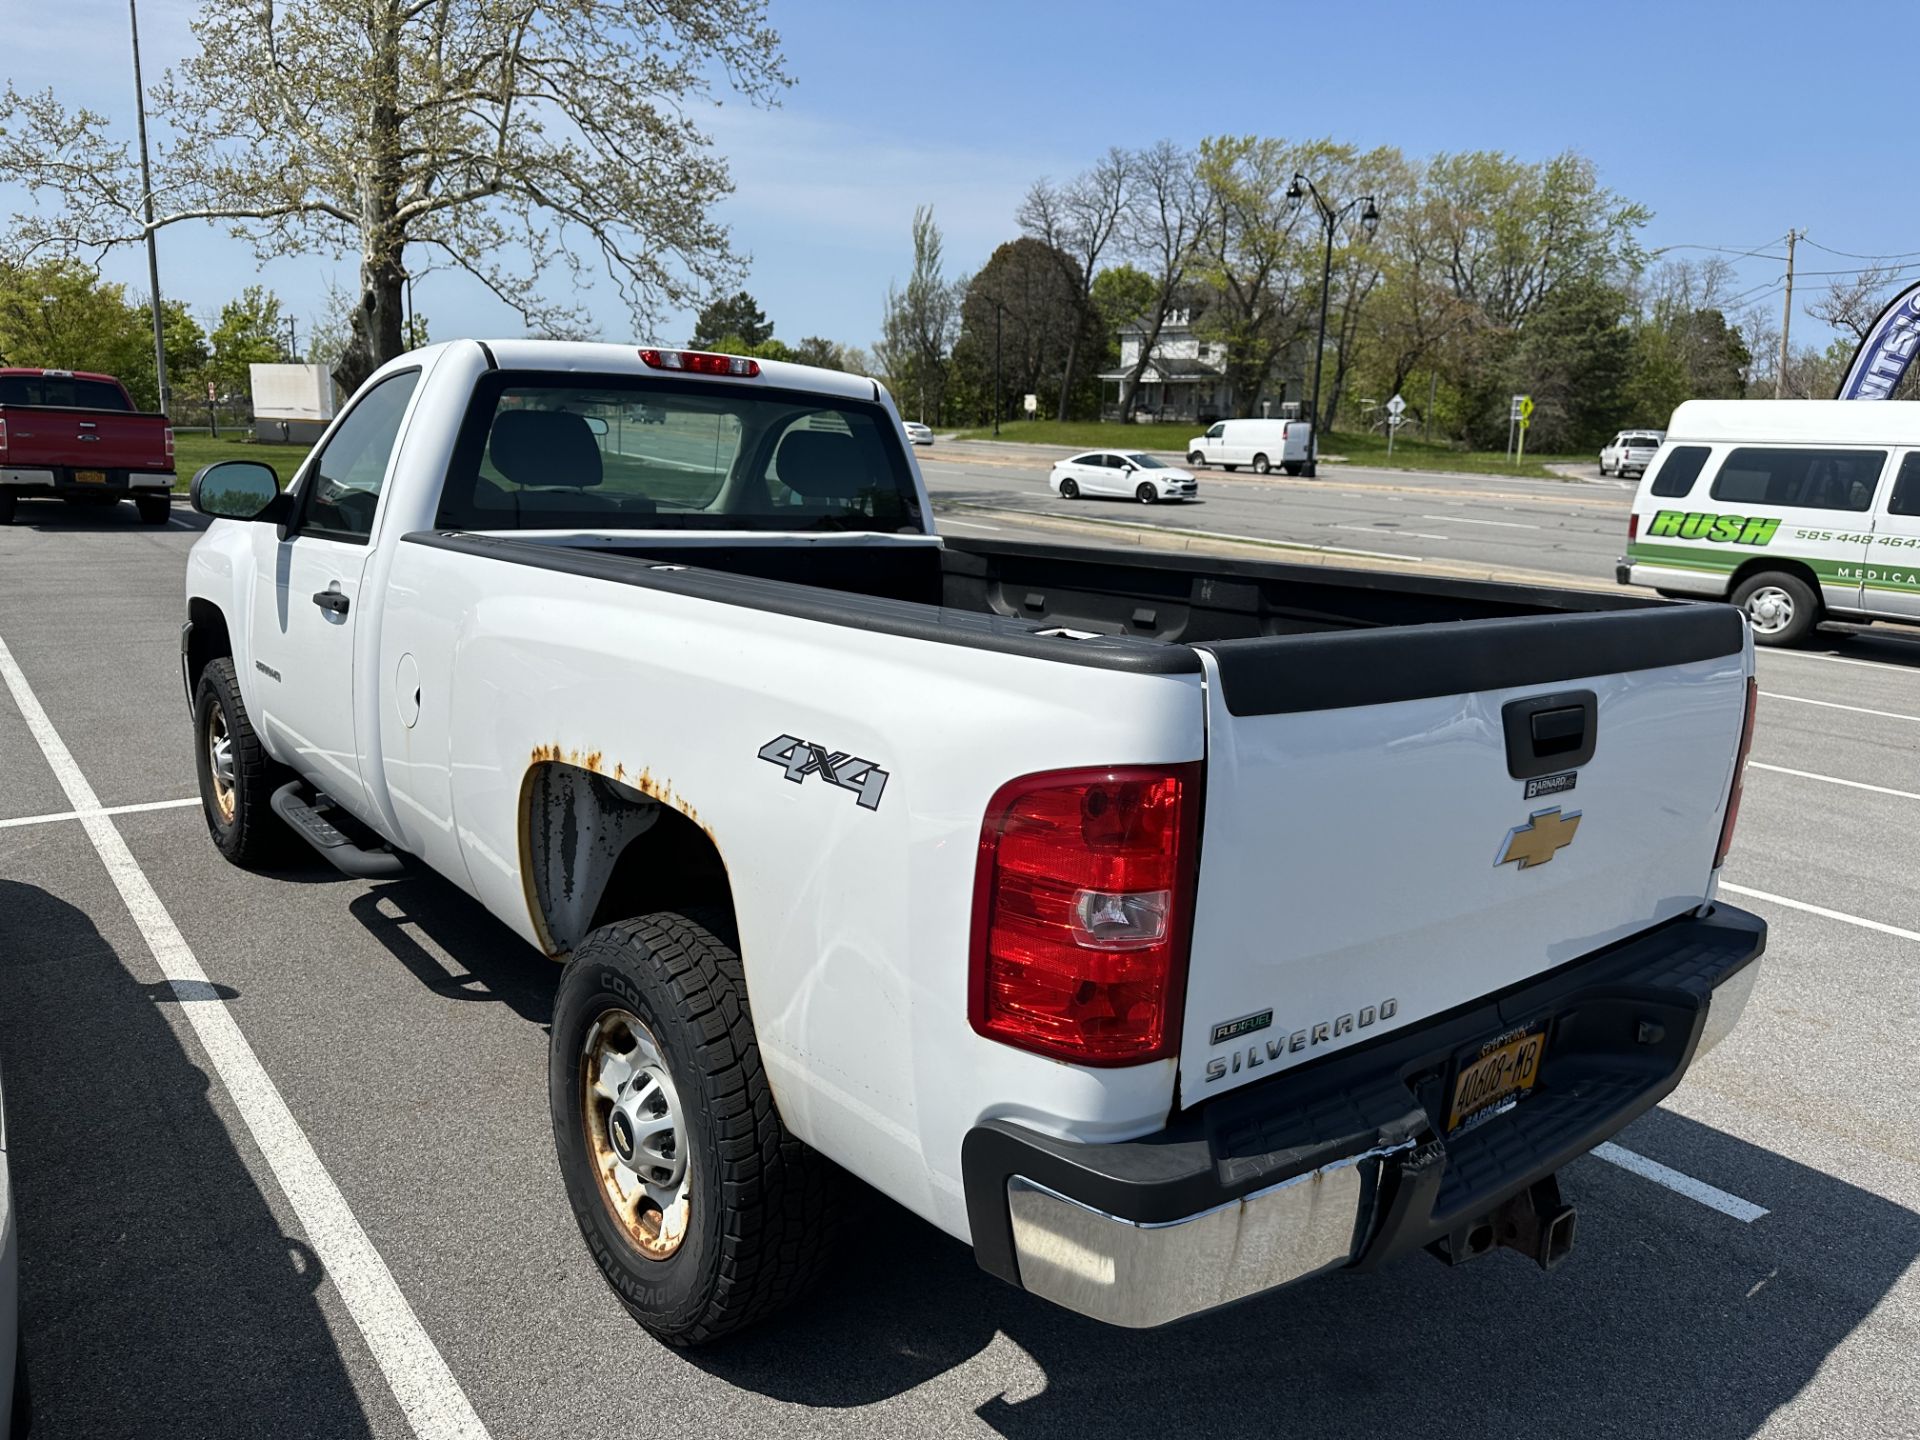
[[1544, 835]]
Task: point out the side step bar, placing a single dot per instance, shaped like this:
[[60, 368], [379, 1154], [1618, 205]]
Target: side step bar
[[311, 826]]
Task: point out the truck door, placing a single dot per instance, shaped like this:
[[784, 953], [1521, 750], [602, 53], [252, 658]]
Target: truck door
[[307, 590], [1893, 561]]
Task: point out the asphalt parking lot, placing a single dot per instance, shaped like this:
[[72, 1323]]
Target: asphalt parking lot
[[1746, 1262]]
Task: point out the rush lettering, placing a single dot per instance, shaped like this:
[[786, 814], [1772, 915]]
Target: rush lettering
[[1710, 525]]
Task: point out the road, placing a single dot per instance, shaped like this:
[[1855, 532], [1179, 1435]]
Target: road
[[171, 1290], [1536, 529]]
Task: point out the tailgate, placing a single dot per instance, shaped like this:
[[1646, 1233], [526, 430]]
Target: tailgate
[[86, 439], [1361, 859]]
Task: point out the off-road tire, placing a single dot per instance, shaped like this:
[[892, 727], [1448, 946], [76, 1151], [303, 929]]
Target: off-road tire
[[254, 836], [1069, 490], [745, 1258], [1807, 608], [154, 509]]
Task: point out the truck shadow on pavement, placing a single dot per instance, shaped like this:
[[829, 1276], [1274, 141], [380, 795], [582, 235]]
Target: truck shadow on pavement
[[160, 1295], [478, 958], [56, 515], [1668, 1319]]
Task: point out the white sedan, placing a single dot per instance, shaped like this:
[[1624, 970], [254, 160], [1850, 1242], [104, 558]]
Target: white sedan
[[1122, 472], [916, 432]]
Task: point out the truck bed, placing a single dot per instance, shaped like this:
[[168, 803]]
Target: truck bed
[[1286, 637]]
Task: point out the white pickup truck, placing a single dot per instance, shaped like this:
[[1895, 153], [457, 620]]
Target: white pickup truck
[[1169, 930]]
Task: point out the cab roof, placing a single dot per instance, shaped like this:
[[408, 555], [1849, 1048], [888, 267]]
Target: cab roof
[[1759, 422], [597, 357]]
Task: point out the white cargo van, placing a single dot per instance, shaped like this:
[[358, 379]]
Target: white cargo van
[[1798, 511], [1261, 444]]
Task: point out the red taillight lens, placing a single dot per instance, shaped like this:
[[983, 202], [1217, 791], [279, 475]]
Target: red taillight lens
[[169, 434], [1739, 776], [700, 363], [1082, 908], [1633, 528], [3, 435]]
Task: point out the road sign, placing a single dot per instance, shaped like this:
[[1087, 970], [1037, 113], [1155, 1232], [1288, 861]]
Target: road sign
[[1526, 408], [1031, 403], [1396, 407]]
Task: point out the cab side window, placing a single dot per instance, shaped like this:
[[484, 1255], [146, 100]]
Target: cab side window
[[1801, 479], [1679, 469], [1905, 499], [343, 483]]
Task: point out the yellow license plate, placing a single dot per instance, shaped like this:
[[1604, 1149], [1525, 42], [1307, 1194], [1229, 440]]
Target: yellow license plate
[[91, 477], [1503, 1069]]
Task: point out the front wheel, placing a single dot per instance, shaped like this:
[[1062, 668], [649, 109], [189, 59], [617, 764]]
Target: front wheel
[[700, 1209], [1260, 465], [1146, 492], [237, 776], [1781, 608], [1069, 490], [1195, 457]]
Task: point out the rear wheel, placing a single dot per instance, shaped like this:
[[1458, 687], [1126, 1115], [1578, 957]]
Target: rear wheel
[[237, 776], [1781, 608], [6, 507], [1260, 465], [1146, 492], [702, 1212], [154, 509], [1069, 490]]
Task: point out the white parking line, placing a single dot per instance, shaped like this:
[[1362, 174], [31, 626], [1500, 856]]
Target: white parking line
[[1744, 1211], [1836, 705], [1833, 659], [1824, 912], [434, 1404], [1834, 780], [1396, 533], [1463, 520], [110, 810]]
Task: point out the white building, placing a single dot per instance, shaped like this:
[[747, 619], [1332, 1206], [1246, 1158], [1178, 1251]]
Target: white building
[[1185, 378]]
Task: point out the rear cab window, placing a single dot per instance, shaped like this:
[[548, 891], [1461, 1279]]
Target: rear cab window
[[66, 392], [567, 451], [1800, 479]]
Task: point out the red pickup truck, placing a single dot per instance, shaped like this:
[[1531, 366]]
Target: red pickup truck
[[77, 436]]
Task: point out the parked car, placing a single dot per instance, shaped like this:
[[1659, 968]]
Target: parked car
[[76, 435], [1797, 511], [1127, 915], [1630, 452], [1132, 473], [1261, 445], [916, 432]]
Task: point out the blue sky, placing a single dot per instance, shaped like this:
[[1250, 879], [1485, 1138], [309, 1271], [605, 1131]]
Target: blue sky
[[1732, 121]]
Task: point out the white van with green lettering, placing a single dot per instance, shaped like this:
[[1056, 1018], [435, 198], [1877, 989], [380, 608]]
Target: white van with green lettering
[[1798, 511]]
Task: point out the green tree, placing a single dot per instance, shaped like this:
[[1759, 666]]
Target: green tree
[[921, 323], [60, 315], [767, 349], [1575, 358], [513, 139], [1029, 294], [737, 315], [251, 331]]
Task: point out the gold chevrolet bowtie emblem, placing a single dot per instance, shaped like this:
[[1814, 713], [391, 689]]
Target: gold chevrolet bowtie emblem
[[1544, 835]]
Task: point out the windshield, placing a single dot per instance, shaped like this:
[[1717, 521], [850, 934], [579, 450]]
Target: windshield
[[584, 452], [1147, 462]]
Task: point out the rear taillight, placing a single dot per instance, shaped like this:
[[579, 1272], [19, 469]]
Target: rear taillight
[[700, 363], [1081, 914], [1739, 776], [1633, 528], [168, 432], [3, 436]]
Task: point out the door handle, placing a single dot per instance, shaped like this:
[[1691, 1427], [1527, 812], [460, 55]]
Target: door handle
[[331, 601]]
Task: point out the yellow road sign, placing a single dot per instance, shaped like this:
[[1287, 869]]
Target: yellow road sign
[[1526, 408]]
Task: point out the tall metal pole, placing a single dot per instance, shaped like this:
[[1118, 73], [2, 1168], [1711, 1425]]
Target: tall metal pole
[[1786, 322], [998, 311], [1320, 350], [146, 187]]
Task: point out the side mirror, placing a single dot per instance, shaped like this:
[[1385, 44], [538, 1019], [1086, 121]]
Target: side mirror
[[596, 425], [237, 490]]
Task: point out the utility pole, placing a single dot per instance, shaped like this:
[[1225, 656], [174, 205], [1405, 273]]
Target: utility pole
[[293, 350], [998, 311], [146, 198], [1786, 323]]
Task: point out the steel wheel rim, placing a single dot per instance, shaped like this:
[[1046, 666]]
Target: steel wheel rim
[[1769, 610], [628, 1104], [220, 762]]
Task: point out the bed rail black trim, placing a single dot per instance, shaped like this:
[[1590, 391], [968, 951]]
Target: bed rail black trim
[[1287, 674], [943, 626]]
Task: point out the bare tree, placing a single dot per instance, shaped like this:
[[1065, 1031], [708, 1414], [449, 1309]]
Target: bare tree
[[1080, 220], [1853, 302], [1162, 228], [922, 322], [514, 136]]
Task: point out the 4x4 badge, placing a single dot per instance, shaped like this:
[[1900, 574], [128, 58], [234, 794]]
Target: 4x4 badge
[[801, 758]]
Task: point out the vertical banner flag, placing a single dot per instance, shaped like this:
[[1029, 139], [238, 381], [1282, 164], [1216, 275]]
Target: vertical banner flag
[[1888, 349]]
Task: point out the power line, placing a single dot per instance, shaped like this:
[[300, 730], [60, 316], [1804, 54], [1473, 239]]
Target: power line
[[1758, 252], [1851, 255]]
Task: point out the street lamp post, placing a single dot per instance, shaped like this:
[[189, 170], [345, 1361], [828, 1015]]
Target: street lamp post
[[1329, 218], [999, 311], [146, 201]]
